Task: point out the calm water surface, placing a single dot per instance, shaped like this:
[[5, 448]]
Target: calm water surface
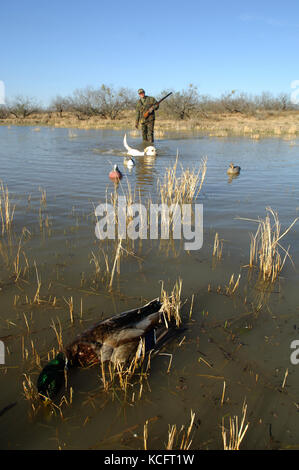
[[244, 339]]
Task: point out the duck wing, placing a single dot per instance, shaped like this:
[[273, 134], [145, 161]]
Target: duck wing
[[101, 340], [148, 337]]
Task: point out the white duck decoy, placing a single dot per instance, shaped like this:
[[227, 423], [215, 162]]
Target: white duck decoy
[[150, 150], [129, 162]]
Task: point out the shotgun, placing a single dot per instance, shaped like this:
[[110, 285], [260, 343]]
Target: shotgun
[[151, 109]]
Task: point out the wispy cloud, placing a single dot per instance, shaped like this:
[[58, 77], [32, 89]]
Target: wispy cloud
[[249, 18]]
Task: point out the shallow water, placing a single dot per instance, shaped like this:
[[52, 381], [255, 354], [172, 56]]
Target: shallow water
[[244, 339]]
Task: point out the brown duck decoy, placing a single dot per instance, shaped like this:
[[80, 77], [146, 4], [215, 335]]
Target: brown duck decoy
[[233, 170]]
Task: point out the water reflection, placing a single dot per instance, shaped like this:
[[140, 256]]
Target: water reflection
[[232, 177], [145, 173]]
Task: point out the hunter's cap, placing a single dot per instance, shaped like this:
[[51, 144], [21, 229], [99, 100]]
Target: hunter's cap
[[141, 90]]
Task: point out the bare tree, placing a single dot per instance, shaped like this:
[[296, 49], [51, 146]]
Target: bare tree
[[60, 104], [113, 102], [22, 107], [104, 101], [85, 102], [235, 102], [4, 113], [181, 104]]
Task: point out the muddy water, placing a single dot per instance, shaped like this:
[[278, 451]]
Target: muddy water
[[242, 340]]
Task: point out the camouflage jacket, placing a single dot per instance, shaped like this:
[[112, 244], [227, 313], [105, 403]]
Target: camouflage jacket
[[144, 106]]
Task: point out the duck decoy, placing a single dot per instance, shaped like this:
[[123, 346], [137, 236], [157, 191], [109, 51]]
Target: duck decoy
[[116, 340], [115, 174], [129, 162], [233, 170]]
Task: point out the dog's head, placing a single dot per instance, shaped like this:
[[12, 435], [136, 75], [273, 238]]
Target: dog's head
[[150, 150]]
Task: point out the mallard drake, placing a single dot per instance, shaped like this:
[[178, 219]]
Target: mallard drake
[[52, 377], [129, 162], [116, 340], [115, 174], [233, 170]]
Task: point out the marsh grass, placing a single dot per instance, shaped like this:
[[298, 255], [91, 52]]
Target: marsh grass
[[214, 122], [177, 440], [126, 382], [5, 252], [47, 406], [7, 210], [180, 439], [28, 348], [233, 285], [107, 262], [171, 303], [31, 393], [70, 304], [43, 199], [19, 270], [14, 257], [37, 298], [58, 333], [116, 263], [145, 434], [174, 189], [265, 247], [218, 247], [233, 437]]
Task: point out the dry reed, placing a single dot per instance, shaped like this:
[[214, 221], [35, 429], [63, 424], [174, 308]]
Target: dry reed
[[233, 285], [236, 431], [6, 209], [265, 247], [182, 439], [174, 189], [123, 377], [31, 394], [218, 246], [171, 303], [39, 283]]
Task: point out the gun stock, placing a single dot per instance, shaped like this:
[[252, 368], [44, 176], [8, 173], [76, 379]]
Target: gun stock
[[151, 109]]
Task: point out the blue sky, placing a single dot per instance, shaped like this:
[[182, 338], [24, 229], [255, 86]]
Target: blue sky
[[53, 47]]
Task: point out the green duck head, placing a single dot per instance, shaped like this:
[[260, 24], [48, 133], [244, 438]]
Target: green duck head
[[51, 378]]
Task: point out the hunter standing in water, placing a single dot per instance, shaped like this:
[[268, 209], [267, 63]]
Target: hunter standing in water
[[144, 104]]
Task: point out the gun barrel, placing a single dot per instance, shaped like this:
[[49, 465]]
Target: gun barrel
[[164, 97], [146, 114]]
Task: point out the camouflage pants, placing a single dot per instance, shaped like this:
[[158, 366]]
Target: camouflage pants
[[148, 131]]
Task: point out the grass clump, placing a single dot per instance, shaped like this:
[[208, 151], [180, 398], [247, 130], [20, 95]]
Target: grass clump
[[232, 439], [266, 251], [6, 209], [181, 189]]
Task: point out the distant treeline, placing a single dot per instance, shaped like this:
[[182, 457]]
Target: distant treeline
[[110, 103]]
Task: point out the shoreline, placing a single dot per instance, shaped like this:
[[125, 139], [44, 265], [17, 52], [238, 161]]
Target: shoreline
[[284, 125]]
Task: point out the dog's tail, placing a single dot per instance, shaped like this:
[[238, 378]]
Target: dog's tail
[[125, 143]]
